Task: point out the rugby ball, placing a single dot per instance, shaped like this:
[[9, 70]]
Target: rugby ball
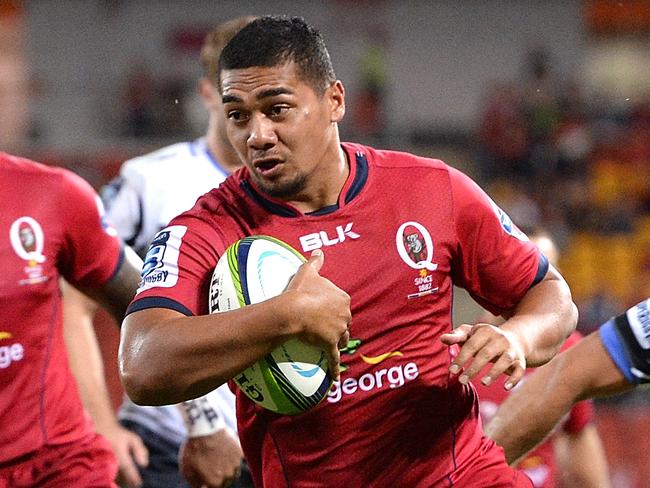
[[292, 378]]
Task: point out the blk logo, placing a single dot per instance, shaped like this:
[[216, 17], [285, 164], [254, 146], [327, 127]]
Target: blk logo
[[321, 239]]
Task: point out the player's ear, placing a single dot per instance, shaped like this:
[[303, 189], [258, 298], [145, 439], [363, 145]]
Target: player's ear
[[209, 93], [335, 94]]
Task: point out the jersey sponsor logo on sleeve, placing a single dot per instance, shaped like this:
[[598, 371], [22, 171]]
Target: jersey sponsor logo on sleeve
[[639, 319], [507, 224], [320, 239], [10, 353], [160, 267]]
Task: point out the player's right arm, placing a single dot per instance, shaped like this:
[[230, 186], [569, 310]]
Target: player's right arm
[[167, 357], [532, 410]]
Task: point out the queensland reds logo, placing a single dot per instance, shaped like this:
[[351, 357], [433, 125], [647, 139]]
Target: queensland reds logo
[[27, 239], [415, 246]]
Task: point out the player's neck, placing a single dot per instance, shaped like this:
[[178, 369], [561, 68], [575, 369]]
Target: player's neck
[[222, 150], [326, 185]]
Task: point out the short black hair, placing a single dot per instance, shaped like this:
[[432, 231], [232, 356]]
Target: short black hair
[[275, 40]]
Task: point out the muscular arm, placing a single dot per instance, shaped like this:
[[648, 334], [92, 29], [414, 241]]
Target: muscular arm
[[166, 357], [543, 319], [116, 295], [531, 411], [84, 355], [531, 335]]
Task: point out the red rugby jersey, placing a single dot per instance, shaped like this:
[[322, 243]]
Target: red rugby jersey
[[539, 464], [50, 226], [404, 231]]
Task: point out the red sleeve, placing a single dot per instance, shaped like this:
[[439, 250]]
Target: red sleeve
[[496, 263], [91, 252], [178, 267]]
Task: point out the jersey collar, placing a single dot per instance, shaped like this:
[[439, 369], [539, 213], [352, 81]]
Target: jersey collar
[[353, 185], [201, 145]]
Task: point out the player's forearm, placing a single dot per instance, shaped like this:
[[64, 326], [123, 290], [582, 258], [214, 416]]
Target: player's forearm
[[543, 319], [203, 416], [85, 357], [522, 420], [167, 358]]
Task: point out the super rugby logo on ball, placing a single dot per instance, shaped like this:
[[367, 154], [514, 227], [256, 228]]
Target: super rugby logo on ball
[[293, 377]]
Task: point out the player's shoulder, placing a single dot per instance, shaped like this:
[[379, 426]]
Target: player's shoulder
[[387, 158], [227, 198], [17, 164], [38, 175], [160, 161]]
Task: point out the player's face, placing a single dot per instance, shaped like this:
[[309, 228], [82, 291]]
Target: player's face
[[284, 131]]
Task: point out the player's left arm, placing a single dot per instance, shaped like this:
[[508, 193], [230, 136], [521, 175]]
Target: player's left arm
[[508, 275], [533, 334], [543, 319]]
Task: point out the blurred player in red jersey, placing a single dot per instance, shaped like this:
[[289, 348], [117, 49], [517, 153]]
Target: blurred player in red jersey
[[574, 456], [399, 231], [194, 443], [87, 365], [52, 226]]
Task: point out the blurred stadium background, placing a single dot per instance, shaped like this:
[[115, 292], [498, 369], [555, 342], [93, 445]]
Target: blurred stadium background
[[546, 104]]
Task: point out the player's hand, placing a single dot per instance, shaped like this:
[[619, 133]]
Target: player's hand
[[482, 344], [211, 461], [130, 453], [322, 309]]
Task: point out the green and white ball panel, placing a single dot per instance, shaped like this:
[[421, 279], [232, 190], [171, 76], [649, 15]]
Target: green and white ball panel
[[302, 365], [292, 378], [270, 265]]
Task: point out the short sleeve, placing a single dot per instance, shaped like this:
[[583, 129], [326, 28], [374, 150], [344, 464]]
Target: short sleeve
[[495, 262], [626, 339], [178, 267], [123, 208], [91, 252]]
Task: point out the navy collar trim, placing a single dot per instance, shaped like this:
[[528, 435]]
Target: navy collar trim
[[267, 204], [360, 179]]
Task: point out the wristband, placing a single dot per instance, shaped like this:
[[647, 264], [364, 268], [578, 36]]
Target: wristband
[[202, 416]]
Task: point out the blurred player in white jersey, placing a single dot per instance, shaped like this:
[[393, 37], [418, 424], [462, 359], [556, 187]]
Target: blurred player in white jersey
[[198, 439]]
